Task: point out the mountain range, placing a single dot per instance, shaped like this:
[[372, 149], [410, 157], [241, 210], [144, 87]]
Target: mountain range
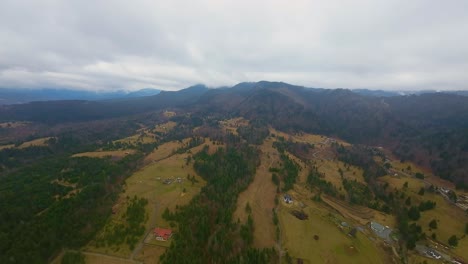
[[85, 176], [430, 128], [20, 96]]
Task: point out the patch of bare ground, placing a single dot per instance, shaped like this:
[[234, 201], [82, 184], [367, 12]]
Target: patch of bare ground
[[360, 214], [64, 183], [260, 195], [150, 254], [95, 258], [231, 125], [115, 154]]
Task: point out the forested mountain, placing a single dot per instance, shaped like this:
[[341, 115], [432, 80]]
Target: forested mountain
[[430, 129], [54, 112], [64, 166], [18, 96]]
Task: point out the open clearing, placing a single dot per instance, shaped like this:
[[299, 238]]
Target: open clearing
[[165, 127], [330, 169], [91, 258], [149, 183], [317, 140], [142, 137], [360, 214], [167, 149], [332, 245], [450, 219], [260, 195], [151, 254], [163, 151], [231, 125], [7, 146], [40, 142], [102, 154]]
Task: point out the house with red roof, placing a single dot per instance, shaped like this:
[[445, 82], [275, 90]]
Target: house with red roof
[[162, 234]]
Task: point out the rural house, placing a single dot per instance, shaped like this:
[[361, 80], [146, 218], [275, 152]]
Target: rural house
[[381, 231], [162, 234], [287, 199]]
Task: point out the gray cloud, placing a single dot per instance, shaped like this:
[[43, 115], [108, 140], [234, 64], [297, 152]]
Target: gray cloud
[[103, 45]]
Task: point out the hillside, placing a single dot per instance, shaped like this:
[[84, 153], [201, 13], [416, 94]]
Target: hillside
[[429, 129], [256, 173]]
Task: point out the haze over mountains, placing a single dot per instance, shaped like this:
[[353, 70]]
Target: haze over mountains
[[67, 166], [429, 128], [19, 96]]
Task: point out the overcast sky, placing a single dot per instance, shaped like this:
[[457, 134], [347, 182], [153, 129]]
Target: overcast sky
[[105, 45]]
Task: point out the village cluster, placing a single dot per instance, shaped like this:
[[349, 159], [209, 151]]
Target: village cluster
[[383, 232]]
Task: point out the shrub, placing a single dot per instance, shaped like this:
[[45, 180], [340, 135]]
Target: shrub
[[453, 241]]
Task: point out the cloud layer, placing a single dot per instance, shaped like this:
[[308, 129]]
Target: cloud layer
[[105, 45]]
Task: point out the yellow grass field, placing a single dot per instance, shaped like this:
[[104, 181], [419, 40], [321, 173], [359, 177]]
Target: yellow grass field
[[398, 181], [330, 168], [303, 137], [102, 154], [317, 140], [165, 127], [7, 146], [143, 137], [91, 258], [231, 125], [450, 219], [163, 151], [97, 258], [150, 254], [260, 195], [360, 214], [333, 244], [148, 183], [36, 142], [40, 142]]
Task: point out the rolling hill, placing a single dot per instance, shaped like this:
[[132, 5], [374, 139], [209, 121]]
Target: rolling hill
[[262, 172]]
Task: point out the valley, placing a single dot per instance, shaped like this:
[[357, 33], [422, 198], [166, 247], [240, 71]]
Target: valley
[[257, 185], [326, 236]]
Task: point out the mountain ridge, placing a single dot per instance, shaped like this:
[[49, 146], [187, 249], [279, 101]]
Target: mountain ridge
[[21, 96], [429, 128]]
